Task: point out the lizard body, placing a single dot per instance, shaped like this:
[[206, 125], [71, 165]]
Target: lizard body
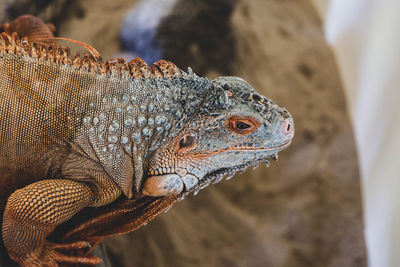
[[123, 140]]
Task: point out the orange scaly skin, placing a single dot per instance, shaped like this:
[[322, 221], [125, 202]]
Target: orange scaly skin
[[92, 149]]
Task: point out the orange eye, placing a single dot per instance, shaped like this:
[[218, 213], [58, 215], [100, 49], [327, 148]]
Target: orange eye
[[188, 140], [242, 125]]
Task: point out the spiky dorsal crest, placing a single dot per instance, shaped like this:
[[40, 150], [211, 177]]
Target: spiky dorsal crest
[[30, 36], [136, 68]]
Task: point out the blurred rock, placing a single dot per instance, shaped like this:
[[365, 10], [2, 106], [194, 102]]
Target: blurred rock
[[198, 34], [190, 33], [139, 29]]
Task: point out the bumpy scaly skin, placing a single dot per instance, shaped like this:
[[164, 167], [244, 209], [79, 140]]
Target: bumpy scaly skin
[[220, 150], [78, 133], [38, 207]]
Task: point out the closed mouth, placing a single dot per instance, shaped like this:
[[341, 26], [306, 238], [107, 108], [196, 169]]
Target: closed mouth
[[244, 149], [280, 147], [285, 145]]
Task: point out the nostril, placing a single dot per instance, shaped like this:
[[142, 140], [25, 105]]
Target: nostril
[[287, 127]]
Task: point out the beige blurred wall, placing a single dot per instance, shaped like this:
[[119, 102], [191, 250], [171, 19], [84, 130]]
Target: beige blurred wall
[[365, 37]]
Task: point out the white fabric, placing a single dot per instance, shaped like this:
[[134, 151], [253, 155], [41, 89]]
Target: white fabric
[[365, 36]]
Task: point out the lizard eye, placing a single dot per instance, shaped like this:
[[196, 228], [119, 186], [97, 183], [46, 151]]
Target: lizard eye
[[242, 125], [187, 141]]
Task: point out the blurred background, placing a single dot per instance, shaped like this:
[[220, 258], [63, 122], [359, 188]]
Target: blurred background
[[332, 64]]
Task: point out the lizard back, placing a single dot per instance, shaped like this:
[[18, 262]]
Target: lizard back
[[46, 98], [37, 102]]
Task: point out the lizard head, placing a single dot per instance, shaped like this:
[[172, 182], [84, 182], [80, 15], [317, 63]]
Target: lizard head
[[233, 128]]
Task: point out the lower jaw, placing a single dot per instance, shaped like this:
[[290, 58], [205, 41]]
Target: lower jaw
[[217, 176]]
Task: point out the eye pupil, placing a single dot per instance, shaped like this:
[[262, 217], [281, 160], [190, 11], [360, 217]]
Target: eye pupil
[[242, 125], [186, 141]]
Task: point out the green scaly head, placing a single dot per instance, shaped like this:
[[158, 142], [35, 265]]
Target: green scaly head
[[232, 129]]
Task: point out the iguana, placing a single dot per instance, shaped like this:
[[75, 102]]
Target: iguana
[[91, 149]]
